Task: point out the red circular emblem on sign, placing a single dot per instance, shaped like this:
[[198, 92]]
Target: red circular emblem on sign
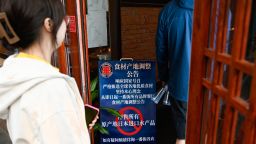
[[136, 128], [106, 70]]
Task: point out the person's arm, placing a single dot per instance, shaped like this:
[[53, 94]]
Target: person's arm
[[62, 128], [49, 113], [55, 110], [162, 49]]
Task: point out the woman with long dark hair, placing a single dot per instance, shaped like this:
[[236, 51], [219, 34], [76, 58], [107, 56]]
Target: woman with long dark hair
[[40, 105]]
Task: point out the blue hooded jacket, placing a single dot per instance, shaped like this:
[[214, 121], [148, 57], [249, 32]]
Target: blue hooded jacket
[[173, 46]]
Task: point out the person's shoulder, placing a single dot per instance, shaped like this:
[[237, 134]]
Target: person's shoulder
[[47, 98], [56, 82], [169, 5], [167, 9], [52, 84], [53, 89]]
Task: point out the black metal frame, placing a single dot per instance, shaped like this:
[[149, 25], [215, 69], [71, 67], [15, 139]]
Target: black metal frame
[[3, 52], [3, 56], [115, 29]]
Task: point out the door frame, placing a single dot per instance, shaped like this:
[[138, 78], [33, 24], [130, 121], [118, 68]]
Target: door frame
[[204, 16]]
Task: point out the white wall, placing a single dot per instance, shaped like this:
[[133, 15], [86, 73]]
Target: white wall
[[97, 23]]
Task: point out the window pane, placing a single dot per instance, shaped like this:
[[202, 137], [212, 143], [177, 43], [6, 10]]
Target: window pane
[[239, 129], [251, 44], [225, 75], [220, 121], [230, 26], [246, 87], [209, 65], [213, 24]]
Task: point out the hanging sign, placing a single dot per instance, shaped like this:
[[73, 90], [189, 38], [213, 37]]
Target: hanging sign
[[72, 24]]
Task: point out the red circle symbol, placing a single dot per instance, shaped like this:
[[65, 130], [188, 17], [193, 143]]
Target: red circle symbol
[[136, 128], [106, 70]]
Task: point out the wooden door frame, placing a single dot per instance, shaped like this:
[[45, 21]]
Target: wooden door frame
[[78, 49], [201, 26], [195, 101]]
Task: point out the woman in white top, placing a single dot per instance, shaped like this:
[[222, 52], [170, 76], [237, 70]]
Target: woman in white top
[[40, 105]]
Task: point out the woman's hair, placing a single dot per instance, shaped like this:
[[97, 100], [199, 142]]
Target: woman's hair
[[27, 18]]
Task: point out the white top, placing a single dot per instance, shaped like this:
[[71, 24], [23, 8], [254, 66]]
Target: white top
[[41, 105]]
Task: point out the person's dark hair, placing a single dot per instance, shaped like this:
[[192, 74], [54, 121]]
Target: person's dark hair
[[27, 18]]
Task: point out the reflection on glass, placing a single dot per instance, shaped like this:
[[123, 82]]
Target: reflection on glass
[[251, 43], [239, 129], [220, 121], [209, 65], [225, 75], [246, 87], [231, 27], [213, 25]]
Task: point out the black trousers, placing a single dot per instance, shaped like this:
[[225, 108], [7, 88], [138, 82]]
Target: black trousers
[[178, 114], [171, 122]]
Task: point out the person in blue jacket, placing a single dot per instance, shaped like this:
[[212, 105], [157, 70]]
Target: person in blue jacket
[[173, 49]]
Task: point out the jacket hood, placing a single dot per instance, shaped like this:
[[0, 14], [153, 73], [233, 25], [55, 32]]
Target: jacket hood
[[19, 75], [189, 4]]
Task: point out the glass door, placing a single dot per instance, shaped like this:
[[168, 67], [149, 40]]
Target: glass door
[[222, 96]]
